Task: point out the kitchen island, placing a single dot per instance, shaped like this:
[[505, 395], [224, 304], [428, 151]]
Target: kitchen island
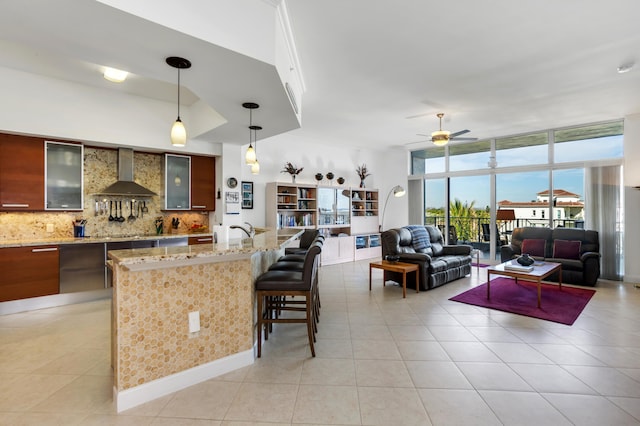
[[155, 350]]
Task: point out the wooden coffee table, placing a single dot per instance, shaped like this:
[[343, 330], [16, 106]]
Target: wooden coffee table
[[541, 270], [403, 268]]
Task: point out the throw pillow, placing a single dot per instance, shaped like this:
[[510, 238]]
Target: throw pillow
[[533, 246], [419, 237], [564, 249]]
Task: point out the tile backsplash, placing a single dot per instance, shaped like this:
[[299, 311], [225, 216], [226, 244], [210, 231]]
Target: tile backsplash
[[100, 170]]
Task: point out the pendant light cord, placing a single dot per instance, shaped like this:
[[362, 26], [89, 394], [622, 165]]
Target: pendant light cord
[[178, 93], [250, 126]]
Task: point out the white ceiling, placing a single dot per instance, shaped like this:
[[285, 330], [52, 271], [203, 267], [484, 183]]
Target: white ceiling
[[376, 71]]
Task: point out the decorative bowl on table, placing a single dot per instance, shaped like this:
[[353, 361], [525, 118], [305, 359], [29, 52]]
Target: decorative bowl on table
[[393, 258], [525, 260]]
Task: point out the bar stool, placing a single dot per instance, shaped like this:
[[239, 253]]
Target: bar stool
[[292, 262], [306, 239], [273, 287]]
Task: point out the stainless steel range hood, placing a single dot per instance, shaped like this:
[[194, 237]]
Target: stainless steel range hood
[[125, 186]]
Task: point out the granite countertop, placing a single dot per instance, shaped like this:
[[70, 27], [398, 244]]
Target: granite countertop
[[232, 250], [104, 239]]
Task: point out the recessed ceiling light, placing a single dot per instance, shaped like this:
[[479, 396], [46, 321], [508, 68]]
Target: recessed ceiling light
[[625, 67], [114, 75]]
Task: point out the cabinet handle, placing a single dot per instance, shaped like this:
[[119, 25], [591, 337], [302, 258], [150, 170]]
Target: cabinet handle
[[198, 207], [40, 250], [200, 240], [19, 206]]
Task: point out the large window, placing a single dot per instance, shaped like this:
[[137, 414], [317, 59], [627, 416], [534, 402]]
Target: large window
[[595, 142], [531, 180], [470, 156], [435, 201], [522, 150], [430, 160]]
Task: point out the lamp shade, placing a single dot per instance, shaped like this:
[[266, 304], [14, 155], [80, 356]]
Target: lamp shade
[[255, 168], [507, 214], [250, 156], [398, 191], [178, 133]]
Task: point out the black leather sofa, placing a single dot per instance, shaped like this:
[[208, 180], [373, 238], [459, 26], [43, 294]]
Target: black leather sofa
[[439, 263], [583, 268]]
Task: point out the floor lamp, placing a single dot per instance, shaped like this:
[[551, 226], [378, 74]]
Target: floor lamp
[[397, 192]]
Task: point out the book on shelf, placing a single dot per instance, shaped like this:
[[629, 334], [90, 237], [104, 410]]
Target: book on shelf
[[515, 266]]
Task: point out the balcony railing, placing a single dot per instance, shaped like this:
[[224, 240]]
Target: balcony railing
[[470, 230]]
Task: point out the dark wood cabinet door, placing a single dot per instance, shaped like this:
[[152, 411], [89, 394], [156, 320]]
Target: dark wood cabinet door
[[29, 272], [203, 183], [203, 239], [21, 173]]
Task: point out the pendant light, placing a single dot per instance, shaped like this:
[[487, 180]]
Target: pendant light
[[250, 156], [178, 132], [255, 167]]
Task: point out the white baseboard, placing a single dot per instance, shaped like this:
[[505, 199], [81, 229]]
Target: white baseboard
[[133, 397]]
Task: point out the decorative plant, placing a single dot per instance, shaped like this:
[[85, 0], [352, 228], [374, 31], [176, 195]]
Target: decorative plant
[[291, 169], [363, 172]]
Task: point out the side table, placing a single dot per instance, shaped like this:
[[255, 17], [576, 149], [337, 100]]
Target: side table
[[403, 268]]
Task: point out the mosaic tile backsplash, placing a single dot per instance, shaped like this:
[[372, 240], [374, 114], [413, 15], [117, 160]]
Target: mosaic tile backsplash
[[100, 170]]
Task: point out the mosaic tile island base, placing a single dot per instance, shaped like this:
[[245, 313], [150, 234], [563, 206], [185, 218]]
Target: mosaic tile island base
[[154, 290]]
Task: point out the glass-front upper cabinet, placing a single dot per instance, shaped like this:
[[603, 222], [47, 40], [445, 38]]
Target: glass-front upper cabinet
[[333, 206], [177, 182], [63, 176]]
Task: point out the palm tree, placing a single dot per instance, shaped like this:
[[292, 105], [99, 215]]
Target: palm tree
[[461, 216]]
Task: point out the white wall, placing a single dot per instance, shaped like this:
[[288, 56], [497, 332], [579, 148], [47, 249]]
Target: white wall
[[388, 168], [632, 197], [88, 114]]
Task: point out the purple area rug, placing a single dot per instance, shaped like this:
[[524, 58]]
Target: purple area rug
[[481, 265], [558, 306]]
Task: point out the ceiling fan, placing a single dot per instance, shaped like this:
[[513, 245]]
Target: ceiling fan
[[442, 137]]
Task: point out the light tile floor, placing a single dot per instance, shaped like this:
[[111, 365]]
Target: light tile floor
[[381, 360]]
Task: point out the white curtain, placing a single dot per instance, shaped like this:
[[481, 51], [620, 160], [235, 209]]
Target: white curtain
[[604, 207]]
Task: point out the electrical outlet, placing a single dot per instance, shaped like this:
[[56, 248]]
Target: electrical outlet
[[194, 322], [49, 227]]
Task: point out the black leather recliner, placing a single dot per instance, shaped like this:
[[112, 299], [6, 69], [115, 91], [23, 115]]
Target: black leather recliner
[[439, 264]]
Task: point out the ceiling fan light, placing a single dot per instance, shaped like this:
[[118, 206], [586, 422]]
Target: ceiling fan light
[[440, 137], [178, 134]]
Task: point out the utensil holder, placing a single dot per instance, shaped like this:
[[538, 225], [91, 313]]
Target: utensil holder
[[78, 231]]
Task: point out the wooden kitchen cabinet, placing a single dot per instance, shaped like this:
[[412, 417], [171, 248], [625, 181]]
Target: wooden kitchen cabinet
[[21, 173], [203, 183], [29, 272], [203, 239]]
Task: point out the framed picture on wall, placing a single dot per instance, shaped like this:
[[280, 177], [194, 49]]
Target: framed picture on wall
[[232, 197], [247, 195]]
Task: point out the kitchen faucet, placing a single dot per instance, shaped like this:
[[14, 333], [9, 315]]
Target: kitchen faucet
[[251, 232]]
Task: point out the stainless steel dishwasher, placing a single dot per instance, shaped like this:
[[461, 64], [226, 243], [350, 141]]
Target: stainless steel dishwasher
[[82, 267]]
